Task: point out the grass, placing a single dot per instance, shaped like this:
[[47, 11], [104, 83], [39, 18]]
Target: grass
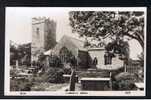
[[45, 86]]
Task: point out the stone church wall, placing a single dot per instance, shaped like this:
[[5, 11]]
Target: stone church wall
[[98, 53]]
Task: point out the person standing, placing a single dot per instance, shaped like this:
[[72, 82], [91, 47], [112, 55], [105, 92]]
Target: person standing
[[95, 61]]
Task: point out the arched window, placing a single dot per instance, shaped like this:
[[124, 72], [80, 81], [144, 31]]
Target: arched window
[[65, 55]]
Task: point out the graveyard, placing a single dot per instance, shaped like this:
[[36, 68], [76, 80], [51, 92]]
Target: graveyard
[[62, 79]]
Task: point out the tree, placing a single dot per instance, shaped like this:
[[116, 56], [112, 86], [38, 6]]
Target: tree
[[119, 47], [20, 52], [24, 53], [13, 53], [103, 24]]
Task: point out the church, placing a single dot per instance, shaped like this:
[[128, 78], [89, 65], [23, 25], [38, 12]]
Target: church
[[85, 55], [44, 41]]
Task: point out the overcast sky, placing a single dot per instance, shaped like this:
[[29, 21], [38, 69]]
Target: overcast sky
[[18, 25], [19, 20]]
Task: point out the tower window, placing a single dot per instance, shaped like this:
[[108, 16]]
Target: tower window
[[37, 31]]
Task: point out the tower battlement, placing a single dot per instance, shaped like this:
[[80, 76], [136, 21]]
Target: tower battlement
[[37, 20]]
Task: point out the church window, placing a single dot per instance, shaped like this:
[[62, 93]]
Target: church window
[[64, 54]]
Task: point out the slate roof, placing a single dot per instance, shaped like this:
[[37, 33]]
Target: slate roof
[[69, 42], [78, 43]]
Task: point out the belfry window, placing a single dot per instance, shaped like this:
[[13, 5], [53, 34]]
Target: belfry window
[[37, 31]]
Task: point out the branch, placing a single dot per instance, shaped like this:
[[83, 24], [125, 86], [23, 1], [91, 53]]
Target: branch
[[130, 36]]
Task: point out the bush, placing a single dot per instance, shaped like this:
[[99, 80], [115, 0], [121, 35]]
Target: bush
[[123, 81], [67, 69], [27, 87], [13, 73], [53, 75], [20, 84], [14, 85]]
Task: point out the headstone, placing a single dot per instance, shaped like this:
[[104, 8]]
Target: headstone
[[72, 81], [95, 84], [67, 77]]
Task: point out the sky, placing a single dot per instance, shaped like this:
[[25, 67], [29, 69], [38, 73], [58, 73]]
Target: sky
[[19, 30], [19, 20]]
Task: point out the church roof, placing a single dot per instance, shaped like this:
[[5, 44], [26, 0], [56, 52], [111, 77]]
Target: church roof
[[73, 45], [70, 43], [78, 43]]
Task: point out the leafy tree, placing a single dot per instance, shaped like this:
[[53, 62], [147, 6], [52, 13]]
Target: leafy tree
[[103, 24], [13, 54], [24, 52], [20, 52], [119, 47]]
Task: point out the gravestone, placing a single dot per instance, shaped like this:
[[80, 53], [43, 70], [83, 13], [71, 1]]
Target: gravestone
[[67, 77], [17, 64], [95, 84], [72, 81]]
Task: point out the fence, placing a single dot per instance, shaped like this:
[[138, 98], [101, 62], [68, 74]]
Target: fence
[[133, 67]]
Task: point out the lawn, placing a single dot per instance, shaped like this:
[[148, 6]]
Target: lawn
[[46, 86]]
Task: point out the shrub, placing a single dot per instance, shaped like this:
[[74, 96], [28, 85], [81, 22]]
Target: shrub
[[67, 69], [26, 87], [20, 84], [53, 75], [123, 81], [13, 73]]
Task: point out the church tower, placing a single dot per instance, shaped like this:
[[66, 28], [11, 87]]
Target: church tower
[[43, 36]]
